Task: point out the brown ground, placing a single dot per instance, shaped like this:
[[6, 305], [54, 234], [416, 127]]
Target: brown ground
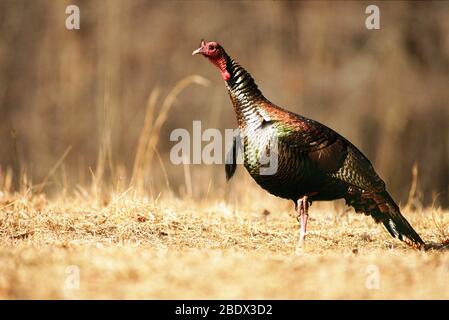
[[171, 248]]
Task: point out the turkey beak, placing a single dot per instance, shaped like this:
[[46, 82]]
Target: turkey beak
[[199, 50]]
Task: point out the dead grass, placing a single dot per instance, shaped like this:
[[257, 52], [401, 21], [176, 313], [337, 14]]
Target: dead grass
[[172, 248]]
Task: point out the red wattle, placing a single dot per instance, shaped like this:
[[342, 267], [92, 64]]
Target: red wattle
[[220, 62], [226, 75]]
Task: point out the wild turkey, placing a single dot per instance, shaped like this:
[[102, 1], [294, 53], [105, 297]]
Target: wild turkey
[[314, 163]]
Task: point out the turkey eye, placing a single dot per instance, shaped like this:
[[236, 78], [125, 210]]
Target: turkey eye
[[211, 48]]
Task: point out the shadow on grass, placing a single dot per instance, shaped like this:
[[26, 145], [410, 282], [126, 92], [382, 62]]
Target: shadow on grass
[[437, 246]]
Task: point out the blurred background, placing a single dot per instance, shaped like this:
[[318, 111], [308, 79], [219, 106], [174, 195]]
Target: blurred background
[[76, 106]]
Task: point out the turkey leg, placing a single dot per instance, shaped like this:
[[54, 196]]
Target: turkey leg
[[303, 214]]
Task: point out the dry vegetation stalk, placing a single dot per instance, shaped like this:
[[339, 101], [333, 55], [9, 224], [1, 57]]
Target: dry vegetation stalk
[[150, 133]]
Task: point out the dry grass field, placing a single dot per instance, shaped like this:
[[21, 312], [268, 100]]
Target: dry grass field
[[92, 207], [129, 247]]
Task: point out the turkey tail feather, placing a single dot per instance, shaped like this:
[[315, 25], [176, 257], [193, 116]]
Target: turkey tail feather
[[383, 209]]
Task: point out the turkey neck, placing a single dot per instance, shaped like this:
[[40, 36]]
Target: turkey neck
[[244, 93]]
